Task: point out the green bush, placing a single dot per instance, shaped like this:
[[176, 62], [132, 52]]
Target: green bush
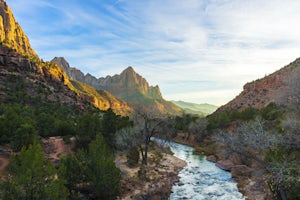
[[133, 157]]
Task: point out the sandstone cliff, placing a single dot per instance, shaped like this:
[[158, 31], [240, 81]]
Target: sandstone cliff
[[11, 34], [128, 86], [282, 87]]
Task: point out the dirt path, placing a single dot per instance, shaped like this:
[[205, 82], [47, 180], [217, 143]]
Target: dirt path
[[55, 147]]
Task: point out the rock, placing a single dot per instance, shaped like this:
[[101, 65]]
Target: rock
[[234, 157], [180, 184], [11, 33], [128, 86], [240, 170], [211, 158], [225, 164]]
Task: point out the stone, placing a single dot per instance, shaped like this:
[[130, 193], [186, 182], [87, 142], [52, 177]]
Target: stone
[[225, 164], [241, 170], [11, 33], [212, 158], [234, 157]]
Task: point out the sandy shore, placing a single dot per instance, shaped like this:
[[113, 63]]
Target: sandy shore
[[160, 177]]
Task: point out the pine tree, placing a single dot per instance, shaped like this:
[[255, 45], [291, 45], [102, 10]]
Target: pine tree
[[32, 177]]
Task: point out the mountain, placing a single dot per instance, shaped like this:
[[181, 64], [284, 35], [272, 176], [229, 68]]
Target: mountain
[[193, 108], [281, 87], [11, 33], [26, 81], [101, 98], [42, 80], [128, 86]]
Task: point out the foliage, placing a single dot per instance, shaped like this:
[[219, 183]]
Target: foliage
[[223, 119], [133, 157], [93, 172], [25, 135], [88, 126], [111, 123], [32, 177], [276, 152], [182, 122]]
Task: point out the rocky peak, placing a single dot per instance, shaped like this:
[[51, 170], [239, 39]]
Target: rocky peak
[[128, 70], [128, 86], [11, 33], [73, 73]]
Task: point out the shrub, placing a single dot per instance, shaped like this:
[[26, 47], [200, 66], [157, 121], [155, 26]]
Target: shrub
[[133, 157]]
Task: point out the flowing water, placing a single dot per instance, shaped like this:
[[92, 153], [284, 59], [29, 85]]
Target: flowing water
[[201, 179]]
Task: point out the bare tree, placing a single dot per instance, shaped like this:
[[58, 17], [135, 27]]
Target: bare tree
[[252, 140], [145, 128]]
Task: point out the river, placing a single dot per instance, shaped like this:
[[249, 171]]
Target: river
[[201, 179]]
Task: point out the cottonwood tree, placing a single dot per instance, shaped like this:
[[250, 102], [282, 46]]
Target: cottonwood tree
[[145, 128]]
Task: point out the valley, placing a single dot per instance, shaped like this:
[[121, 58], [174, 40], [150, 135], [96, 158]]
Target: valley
[[66, 134]]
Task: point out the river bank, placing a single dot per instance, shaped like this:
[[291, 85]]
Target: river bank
[[156, 184], [250, 177]]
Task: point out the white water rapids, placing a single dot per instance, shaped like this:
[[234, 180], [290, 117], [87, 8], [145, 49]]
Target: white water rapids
[[201, 179]]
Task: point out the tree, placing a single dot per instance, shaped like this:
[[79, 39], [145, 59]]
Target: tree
[[88, 126], [111, 123], [271, 150], [32, 177], [25, 135], [145, 127], [93, 171], [184, 123], [102, 174]]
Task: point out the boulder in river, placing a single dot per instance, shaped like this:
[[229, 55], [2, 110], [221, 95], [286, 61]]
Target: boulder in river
[[212, 158]]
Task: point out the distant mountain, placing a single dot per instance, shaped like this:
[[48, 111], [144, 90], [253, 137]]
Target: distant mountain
[[11, 34], [193, 108], [282, 87], [128, 86]]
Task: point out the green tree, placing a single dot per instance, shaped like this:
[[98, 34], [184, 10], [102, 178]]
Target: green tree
[[25, 135], [88, 126], [71, 170], [92, 172], [32, 177], [111, 123], [102, 174]]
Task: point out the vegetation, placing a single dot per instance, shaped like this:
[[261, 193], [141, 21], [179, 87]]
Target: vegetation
[[32, 177], [133, 157], [271, 140], [32, 108], [223, 119], [92, 172], [145, 128]]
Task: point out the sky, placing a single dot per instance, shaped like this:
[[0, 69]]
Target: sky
[[200, 51]]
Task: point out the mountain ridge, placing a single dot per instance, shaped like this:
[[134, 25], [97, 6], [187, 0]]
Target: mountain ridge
[[281, 87], [203, 109], [128, 86]]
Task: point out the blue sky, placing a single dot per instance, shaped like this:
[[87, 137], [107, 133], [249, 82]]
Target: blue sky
[[195, 50]]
